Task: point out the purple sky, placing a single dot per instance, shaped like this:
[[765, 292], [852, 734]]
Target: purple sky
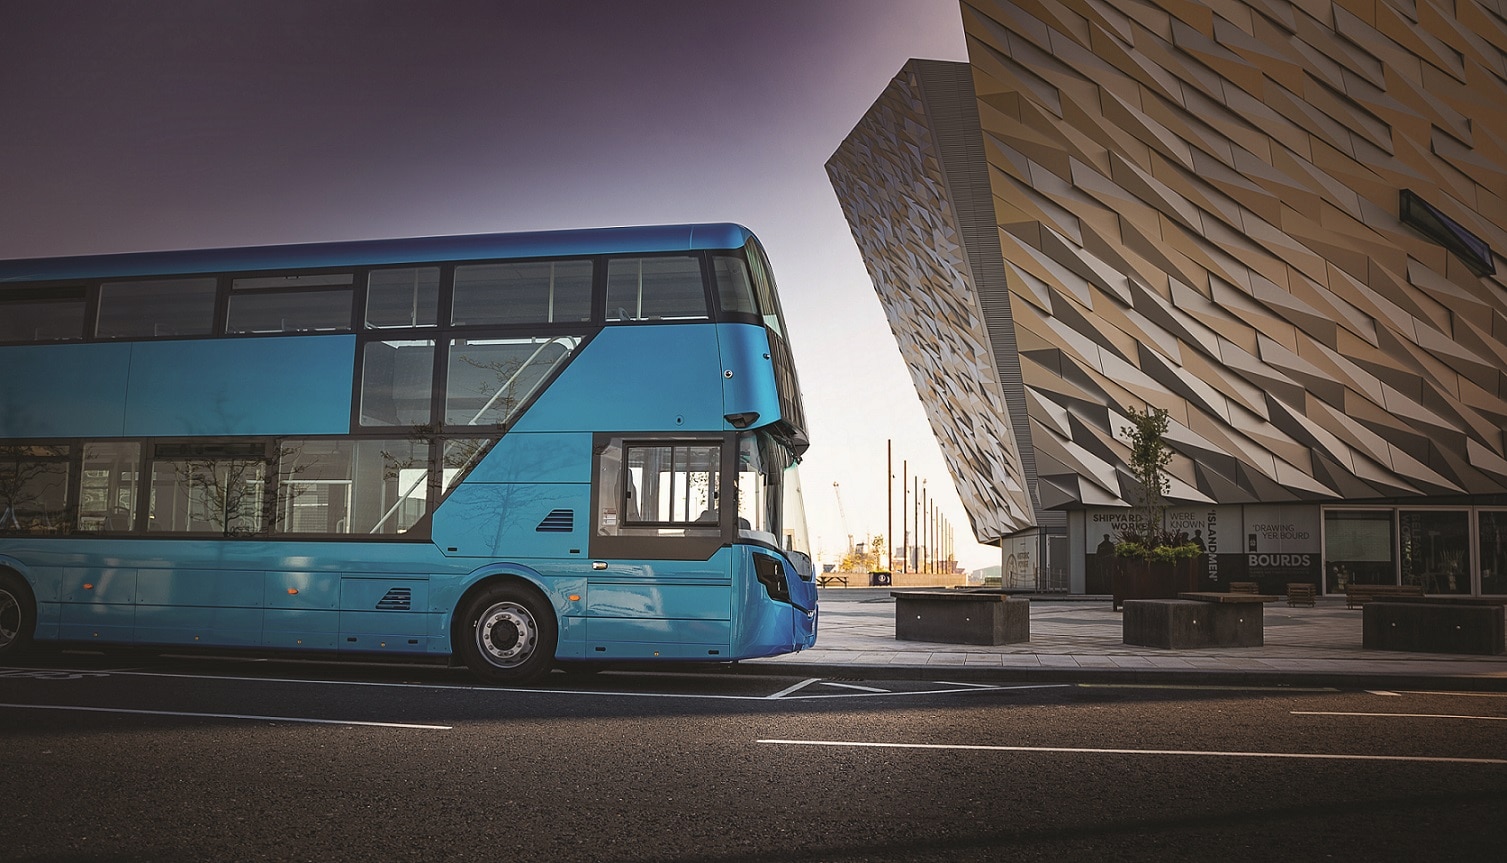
[[132, 126]]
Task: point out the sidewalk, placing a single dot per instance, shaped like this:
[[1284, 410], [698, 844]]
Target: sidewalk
[[1079, 640]]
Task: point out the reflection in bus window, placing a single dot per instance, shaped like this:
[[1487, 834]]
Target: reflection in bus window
[[397, 378], [215, 492], [489, 380], [108, 486], [331, 486], [34, 489]]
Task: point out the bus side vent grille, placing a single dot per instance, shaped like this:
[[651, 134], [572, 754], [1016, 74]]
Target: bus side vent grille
[[397, 599], [558, 521]]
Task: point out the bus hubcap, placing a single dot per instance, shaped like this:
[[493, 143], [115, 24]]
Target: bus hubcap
[[506, 634]]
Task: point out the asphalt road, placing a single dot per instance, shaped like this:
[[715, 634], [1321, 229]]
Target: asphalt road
[[129, 758]]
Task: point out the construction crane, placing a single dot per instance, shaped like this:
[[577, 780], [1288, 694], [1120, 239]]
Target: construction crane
[[842, 514]]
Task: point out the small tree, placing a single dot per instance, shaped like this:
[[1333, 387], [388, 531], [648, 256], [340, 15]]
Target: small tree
[[1147, 536], [866, 557]]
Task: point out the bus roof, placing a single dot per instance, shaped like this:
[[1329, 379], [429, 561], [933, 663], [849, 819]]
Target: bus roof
[[359, 253]]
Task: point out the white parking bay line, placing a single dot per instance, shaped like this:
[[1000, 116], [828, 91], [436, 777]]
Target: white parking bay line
[[979, 747], [228, 716], [1399, 715]]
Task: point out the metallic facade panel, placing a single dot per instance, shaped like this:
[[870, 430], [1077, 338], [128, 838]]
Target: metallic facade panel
[[1197, 209]]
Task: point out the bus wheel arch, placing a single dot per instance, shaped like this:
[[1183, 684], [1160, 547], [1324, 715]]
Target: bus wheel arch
[[18, 613], [505, 630]]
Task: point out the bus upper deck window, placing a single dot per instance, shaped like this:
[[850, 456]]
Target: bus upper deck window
[[655, 289], [41, 314], [522, 292], [734, 285], [405, 297], [156, 307], [318, 302]]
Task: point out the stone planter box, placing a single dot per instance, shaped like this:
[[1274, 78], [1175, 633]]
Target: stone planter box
[[961, 617]]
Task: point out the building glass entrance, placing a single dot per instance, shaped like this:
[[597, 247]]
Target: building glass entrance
[[1436, 549], [1492, 530], [1445, 551], [1358, 548]]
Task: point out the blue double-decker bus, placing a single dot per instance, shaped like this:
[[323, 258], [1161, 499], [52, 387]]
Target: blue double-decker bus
[[516, 451]]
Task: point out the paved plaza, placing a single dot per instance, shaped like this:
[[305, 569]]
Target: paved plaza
[[1080, 638]]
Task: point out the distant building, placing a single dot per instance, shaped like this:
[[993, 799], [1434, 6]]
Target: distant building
[[1282, 224]]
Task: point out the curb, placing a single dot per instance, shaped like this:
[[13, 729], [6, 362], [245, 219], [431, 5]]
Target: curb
[[1351, 680]]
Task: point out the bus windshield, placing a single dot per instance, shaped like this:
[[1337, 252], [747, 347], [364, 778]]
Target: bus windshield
[[771, 508]]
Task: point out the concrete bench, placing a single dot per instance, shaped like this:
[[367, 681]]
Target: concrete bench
[[1360, 594], [1436, 624], [961, 617], [1197, 619]]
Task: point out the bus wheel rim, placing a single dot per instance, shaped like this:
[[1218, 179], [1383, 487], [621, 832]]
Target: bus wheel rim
[[10, 617], [506, 634]]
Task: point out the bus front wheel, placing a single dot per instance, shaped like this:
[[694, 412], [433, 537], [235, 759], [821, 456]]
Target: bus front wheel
[[18, 617], [508, 635]]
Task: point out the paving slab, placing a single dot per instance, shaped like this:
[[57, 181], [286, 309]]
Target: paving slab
[[1081, 639]]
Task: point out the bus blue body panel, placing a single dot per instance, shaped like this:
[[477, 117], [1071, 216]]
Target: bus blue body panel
[[548, 457], [751, 389], [647, 378], [508, 521], [194, 387], [396, 598], [58, 390], [224, 386]]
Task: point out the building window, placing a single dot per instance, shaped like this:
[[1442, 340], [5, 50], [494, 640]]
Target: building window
[[1359, 548], [1432, 223]]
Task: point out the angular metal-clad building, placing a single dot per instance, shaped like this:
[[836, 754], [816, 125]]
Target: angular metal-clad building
[[1280, 222]]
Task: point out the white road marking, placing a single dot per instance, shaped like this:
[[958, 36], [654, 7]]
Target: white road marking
[[228, 716], [784, 694], [1319, 756], [789, 689], [1383, 692], [852, 686], [1398, 715], [1460, 694]]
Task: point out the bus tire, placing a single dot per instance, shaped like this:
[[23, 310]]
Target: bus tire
[[18, 615], [508, 634]]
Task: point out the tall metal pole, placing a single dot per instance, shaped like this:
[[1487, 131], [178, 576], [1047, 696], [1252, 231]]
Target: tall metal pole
[[904, 511], [889, 503], [924, 530], [915, 503]]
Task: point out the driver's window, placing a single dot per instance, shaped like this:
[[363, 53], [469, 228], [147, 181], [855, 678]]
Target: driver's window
[[675, 483]]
